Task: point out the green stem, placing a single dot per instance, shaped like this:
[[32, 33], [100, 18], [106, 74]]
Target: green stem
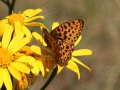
[[50, 79], [10, 5]]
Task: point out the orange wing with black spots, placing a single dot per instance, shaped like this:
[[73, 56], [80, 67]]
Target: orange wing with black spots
[[61, 39], [63, 51], [68, 31]]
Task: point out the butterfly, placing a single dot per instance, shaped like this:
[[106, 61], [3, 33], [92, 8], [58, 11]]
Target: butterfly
[[62, 38]]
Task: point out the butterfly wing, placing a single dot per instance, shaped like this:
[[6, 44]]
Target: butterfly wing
[[61, 39], [51, 42], [63, 51], [68, 31]]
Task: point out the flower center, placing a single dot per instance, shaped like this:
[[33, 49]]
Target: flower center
[[16, 17], [5, 58]]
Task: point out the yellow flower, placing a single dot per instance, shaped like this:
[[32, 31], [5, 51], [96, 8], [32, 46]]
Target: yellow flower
[[19, 21], [70, 64], [44, 63], [41, 64], [8, 63], [26, 50]]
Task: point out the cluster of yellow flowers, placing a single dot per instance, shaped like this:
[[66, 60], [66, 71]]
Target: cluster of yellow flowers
[[20, 60]]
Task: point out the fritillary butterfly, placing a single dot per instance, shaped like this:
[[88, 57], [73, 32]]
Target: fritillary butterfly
[[61, 39]]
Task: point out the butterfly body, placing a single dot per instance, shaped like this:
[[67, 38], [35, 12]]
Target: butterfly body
[[61, 39]]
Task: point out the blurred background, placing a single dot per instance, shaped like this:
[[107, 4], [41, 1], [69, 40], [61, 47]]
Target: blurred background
[[100, 34]]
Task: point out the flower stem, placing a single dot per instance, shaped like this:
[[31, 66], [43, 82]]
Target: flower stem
[[50, 79], [10, 5]]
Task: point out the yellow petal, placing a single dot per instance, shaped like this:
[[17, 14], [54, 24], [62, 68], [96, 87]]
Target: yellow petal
[[33, 24], [39, 38], [14, 72], [26, 31], [78, 40], [34, 69], [3, 22], [79, 62], [7, 80], [59, 69], [36, 49], [33, 18], [42, 70], [3, 26], [82, 52], [1, 75], [55, 24], [2, 29], [20, 44], [21, 67], [18, 27], [7, 36], [25, 59], [39, 50], [73, 66], [15, 40], [31, 12]]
